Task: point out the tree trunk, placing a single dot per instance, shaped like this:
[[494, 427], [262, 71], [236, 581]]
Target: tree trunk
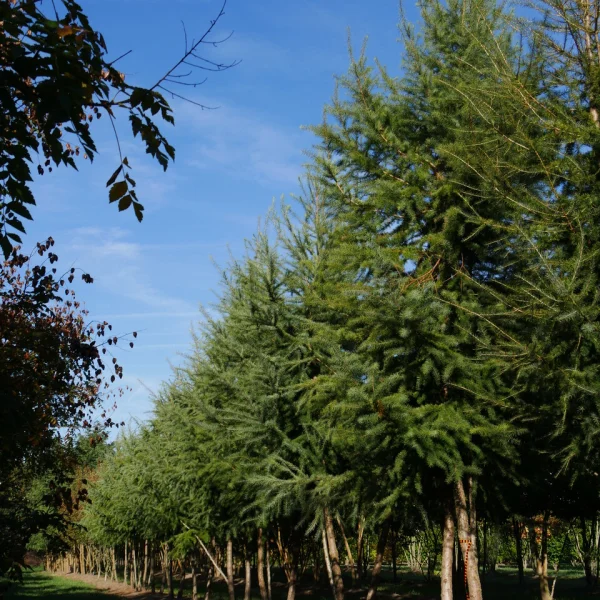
[[163, 563], [348, 551], [288, 553], [145, 574], [170, 582], [114, 564], [292, 578], [181, 581], [484, 566], [381, 544], [150, 580], [466, 518], [194, 582], [134, 573], [230, 586], [394, 556], [209, 579], [360, 548], [125, 561], [447, 555], [519, 545], [542, 562], [268, 570], [260, 565], [334, 556], [328, 563], [248, 575], [586, 547]]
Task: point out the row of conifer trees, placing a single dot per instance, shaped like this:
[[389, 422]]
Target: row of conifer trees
[[415, 339]]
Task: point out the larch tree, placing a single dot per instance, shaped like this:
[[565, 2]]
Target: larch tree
[[419, 259]]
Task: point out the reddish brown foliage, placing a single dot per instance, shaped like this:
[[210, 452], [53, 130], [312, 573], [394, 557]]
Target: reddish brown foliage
[[51, 367]]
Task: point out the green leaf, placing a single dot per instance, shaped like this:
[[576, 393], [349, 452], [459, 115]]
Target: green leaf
[[114, 176], [15, 237], [117, 190], [137, 96], [139, 211], [16, 224], [20, 210], [125, 202], [5, 245]]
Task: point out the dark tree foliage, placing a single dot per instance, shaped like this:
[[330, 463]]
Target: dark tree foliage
[[55, 367], [55, 80], [52, 360]]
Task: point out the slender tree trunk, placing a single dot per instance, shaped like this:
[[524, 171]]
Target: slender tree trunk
[[484, 566], [360, 548], [145, 574], [170, 581], [447, 555], [248, 577], [230, 586], [586, 546], [194, 582], [467, 530], [268, 570], [260, 565], [81, 559], [519, 546], [597, 538], [209, 579], [125, 561], [113, 559], [381, 544], [328, 563], [163, 560], [181, 581], [334, 556], [292, 579], [394, 555], [542, 562], [150, 579], [348, 551], [134, 573]]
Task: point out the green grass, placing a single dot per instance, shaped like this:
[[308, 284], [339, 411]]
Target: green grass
[[38, 584], [502, 585]]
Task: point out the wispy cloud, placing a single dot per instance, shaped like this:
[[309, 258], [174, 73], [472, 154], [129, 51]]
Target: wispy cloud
[[244, 144], [121, 267], [152, 315]]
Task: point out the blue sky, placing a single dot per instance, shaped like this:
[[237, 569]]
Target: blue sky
[[230, 164]]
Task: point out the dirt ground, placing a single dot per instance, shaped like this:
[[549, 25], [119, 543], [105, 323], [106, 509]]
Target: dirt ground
[[113, 588], [121, 590]]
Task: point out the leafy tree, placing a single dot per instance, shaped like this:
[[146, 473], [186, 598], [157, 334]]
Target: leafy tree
[[57, 79], [52, 358], [418, 260], [52, 366]]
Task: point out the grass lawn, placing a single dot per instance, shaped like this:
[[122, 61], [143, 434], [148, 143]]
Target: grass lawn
[[502, 585], [38, 584]]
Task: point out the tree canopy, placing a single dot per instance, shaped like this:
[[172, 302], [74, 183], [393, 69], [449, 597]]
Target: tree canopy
[[56, 80]]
